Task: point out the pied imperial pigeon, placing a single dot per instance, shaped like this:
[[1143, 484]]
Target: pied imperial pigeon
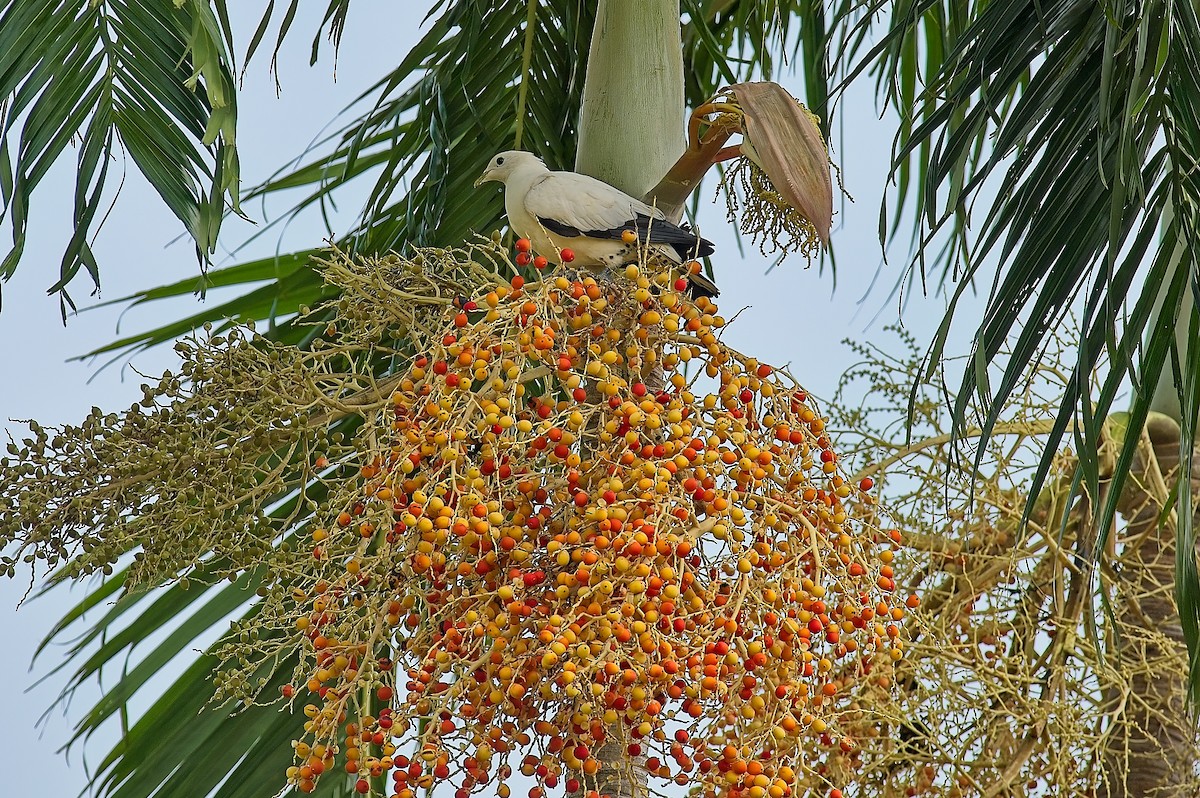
[[560, 211]]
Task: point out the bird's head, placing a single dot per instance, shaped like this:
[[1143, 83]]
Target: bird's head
[[506, 164]]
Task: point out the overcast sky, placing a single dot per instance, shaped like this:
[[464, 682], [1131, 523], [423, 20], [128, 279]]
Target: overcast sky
[[793, 314]]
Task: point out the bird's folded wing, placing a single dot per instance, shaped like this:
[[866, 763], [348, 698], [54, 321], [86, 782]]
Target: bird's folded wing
[[582, 203], [572, 205]]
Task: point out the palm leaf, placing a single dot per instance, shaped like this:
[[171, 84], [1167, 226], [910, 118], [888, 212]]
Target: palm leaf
[[1080, 117], [149, 80]]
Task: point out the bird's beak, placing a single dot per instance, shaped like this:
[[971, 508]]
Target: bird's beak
[[483, 178]]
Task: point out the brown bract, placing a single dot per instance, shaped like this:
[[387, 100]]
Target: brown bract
[[785, 141], [786, 201]]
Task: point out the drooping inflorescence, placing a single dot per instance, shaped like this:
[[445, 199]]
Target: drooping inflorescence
[[576, 543], [1026, 670], [760, 211], [572, 522]]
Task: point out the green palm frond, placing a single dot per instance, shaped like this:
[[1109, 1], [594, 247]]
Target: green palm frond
[[334, 21], [1080, 118], [149, 80], [419, 145], [1182, 134]]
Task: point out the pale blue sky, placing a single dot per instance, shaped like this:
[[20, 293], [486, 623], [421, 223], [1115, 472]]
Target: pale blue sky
[[794, 315]]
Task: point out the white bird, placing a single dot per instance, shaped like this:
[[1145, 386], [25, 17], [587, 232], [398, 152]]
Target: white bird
[[567, 210]]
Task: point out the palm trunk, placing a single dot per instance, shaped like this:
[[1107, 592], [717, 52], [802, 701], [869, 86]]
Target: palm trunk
[[631, 131], [1152, 751], [1151, 746]]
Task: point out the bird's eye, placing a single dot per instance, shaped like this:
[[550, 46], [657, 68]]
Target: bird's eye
[[499, 162]]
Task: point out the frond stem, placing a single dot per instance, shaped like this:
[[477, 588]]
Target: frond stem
[[526, 65], [1015, 428]]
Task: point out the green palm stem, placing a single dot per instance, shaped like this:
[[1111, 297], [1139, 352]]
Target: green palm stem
[[631, 124]]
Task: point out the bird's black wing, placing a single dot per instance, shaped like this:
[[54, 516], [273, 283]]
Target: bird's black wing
[[656, 231]]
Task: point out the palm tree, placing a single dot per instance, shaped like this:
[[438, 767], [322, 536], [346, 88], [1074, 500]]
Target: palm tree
[[526, 57], [1080, 117]]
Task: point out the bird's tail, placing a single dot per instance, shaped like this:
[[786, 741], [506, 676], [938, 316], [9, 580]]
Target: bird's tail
[[699, 285], [694, 246], [704, 248]]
